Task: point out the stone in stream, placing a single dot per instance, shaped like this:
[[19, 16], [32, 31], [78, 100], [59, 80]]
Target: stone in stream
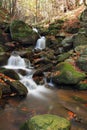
[[46, 122]]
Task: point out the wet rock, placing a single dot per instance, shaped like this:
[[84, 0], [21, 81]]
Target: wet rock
[[43, 68], [81, 62], [82, 85], [67, 74], [18, 88], [62, 57], [67, 43], [11, 87], [10, 73], [21, 32], [80, 39], [5, 89], [46, 122]]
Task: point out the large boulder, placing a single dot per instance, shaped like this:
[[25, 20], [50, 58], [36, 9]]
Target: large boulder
[[10, 73], [17, 87], [21, 32], [67, 74], [10, 86], [46, 122]]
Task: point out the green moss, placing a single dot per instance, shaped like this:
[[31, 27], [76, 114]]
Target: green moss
[[46, 122], [82, 86], [63, 57], [20, 29], [68, 74]]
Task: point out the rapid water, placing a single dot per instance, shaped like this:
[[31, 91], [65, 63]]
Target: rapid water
[[19, 64], [55, 101], [41, 43]]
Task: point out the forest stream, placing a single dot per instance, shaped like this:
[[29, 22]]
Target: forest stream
[[43, 71], [54, 101]]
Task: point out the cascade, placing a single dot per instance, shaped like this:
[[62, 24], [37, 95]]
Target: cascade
[[41, 43], [48, 83], [18, 64]]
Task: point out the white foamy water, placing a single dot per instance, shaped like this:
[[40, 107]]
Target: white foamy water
[[41, 43], [17, 63]]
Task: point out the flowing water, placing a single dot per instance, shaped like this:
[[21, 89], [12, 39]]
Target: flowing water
[[42, 100], [41, 43]]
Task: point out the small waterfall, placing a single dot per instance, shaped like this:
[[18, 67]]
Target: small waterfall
[[16, 60], [41, 43], [51, 83], [35, 30], [18, 64], [45, 80]]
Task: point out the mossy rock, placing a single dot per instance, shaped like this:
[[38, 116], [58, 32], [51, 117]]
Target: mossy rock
[[62, 57], [21, 32], [17, 87], [79, 39], [81, 62], [68, 74], [5, 89], [10, 73], [46, 122], [81, 49]]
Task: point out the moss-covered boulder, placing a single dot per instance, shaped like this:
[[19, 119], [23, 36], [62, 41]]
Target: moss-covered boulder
[[46, 122], [10, 73], [67, 74], [17, 87], [62, 57], [23, 33]]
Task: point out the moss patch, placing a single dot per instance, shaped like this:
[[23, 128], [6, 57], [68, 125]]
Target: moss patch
[[46, 122], [68, 74]]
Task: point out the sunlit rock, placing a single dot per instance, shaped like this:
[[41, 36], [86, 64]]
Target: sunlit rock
[[67, 74], [46, 122]]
